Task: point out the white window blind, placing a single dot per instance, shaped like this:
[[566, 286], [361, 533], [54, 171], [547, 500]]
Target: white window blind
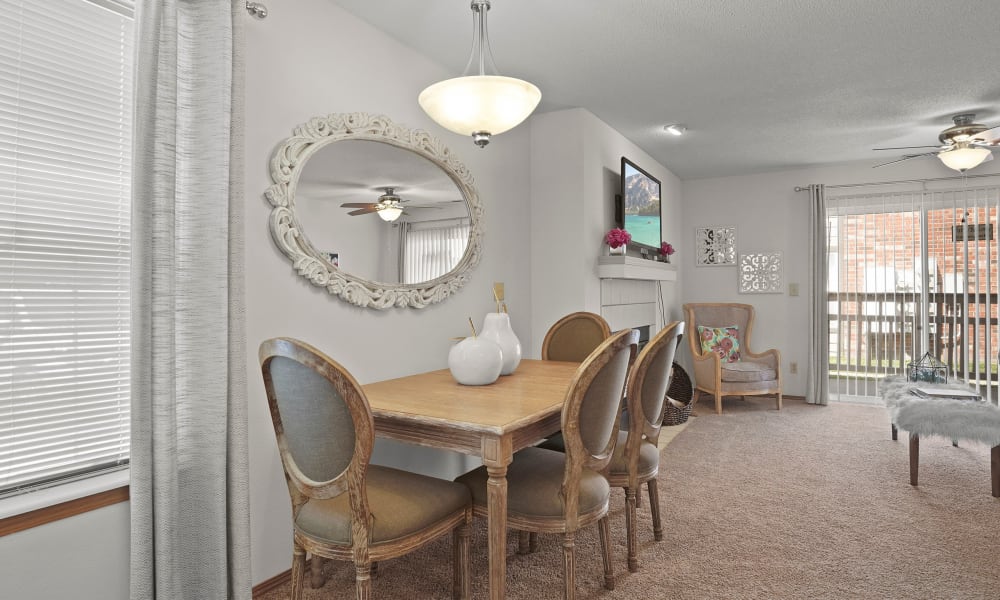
[[431, 249], [65, 171]]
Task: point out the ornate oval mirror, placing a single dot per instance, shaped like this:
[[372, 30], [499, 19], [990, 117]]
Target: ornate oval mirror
[[378, 214]]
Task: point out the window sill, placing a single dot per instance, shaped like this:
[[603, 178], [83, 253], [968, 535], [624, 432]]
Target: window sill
[[59, 502]]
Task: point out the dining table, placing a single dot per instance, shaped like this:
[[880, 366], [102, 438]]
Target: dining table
[[489, 421]]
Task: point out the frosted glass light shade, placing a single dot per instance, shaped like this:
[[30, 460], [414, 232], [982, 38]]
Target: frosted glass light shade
[[390, 214], [963, 159], [480, 103]]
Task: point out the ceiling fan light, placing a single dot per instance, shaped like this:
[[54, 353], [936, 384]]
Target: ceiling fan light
[[964, 158], [390, 213]]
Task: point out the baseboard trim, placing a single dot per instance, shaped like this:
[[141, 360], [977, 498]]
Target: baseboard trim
[[271, 584]]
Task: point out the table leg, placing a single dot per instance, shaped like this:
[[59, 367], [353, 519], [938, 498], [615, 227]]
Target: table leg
[[995, 470], [914, 457], [496, 456]]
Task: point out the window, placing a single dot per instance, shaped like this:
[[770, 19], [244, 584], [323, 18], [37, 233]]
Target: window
[[432, 248], [65, 178]]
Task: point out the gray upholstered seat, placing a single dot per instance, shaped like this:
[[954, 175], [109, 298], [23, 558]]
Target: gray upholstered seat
[[649, 458], [745, 371], [534, 480], [401, 504]]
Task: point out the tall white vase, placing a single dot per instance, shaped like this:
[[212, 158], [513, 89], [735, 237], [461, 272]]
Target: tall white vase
[[496, 327]]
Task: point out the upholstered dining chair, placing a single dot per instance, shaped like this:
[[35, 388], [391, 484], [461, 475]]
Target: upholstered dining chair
[[573, 337], [636, 459], [724, 364], [343, 507], [555, 492]]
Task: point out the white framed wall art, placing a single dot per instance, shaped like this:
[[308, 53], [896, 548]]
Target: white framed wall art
[[715, 246], [760, 273]]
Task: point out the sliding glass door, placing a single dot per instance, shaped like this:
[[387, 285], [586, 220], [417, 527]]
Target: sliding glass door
[[909, 274]]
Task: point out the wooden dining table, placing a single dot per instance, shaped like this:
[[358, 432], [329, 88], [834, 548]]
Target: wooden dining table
[[489, 421]]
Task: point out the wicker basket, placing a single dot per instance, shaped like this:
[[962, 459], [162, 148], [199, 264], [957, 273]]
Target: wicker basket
[[677, 407]]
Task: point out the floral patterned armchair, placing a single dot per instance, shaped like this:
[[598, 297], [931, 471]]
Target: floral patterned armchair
[[724, 364]]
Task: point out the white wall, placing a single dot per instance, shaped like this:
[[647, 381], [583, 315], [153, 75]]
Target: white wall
[[311, 58], [770, 215], [85, 557], [575, 160]]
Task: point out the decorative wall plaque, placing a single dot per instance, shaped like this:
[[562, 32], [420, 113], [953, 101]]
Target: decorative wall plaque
[[715, 246], [760, 273]]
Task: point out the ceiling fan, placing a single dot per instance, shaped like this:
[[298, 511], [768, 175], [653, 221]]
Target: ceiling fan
[[964, 145], [389, 205]]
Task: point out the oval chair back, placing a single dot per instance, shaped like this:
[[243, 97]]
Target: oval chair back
[[573, 337]]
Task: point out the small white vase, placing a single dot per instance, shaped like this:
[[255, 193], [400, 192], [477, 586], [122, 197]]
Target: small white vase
[[475, 361], [619, 251], [496, 327]]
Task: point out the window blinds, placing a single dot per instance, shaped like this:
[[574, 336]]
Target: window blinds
[[431, 249], [65, 170]]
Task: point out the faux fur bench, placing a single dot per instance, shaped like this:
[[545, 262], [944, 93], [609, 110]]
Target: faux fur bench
[[950, 418]]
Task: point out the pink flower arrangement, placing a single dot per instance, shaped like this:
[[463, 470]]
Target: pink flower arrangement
[[666, 249], [616, 237]]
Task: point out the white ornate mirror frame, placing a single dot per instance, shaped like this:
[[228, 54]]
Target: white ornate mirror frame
[[286, 165]]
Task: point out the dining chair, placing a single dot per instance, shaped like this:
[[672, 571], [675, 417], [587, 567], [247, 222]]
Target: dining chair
[[573, 337], [555, 492], [724, 364], [343, 507], [636, 459]]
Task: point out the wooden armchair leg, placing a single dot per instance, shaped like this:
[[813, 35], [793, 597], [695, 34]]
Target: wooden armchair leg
[[462, 584], [298, 570], [779, 400], [604, 530], [318, 577], [533, 542], [654, 508], [523, 542], [630, 527], [363, 581], [569, 566], [718, 403]]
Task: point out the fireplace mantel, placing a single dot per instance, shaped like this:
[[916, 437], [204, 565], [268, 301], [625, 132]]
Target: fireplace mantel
[[630, 267]]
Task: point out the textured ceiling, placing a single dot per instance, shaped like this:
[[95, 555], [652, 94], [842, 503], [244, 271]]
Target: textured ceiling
[[761, 84]]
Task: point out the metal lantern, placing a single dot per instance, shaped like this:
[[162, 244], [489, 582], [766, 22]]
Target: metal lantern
[[928, 370]]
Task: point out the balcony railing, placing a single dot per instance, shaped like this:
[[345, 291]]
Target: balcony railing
[[877, 333]]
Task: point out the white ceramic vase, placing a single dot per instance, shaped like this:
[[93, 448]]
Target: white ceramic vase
[[619, 251], [475, 361], [496, 327]]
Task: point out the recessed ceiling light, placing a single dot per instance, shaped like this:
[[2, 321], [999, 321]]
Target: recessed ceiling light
[[675, 129]]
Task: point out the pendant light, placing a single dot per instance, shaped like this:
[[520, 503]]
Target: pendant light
[[964, 157], [480, 105]]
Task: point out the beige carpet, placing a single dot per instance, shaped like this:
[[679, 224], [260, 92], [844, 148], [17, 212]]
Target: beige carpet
[[809, 502]]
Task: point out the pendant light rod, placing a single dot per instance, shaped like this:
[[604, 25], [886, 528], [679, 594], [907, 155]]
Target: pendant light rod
[[481, 104]]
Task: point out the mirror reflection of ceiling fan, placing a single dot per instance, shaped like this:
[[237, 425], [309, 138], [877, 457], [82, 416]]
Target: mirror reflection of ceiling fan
[[964, 145], [389, 205]]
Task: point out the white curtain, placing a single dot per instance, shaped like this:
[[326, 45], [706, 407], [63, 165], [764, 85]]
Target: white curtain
[[189, 489], [819, 321]]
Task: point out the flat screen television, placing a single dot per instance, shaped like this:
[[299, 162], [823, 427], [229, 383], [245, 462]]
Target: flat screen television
[[637, 210]]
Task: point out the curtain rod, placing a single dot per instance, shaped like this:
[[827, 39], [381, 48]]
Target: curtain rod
[[850, 185]]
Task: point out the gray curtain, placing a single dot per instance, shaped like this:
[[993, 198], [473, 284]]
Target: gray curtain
[[189, 488], [817, 391]]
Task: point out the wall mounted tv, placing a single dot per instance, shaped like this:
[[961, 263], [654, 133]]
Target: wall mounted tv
[[637, 209]]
